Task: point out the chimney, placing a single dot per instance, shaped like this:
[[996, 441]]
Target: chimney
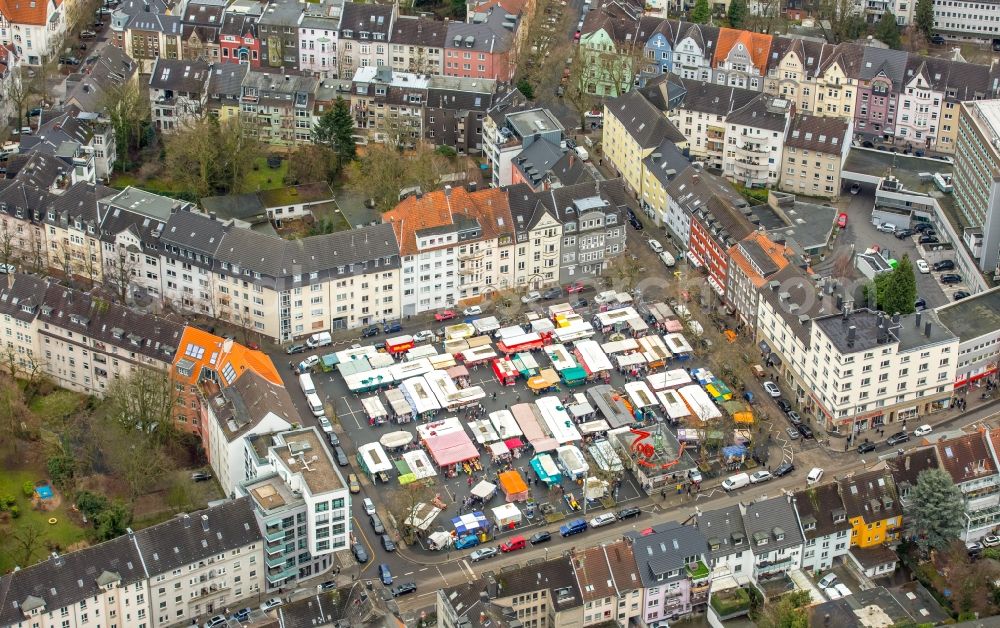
[[10, 280], [927, 329], [204, 523], [57, 559], [918, 319], [187, 520], [130, 533], [447, 191], [572, 158], [211, 215], [851, 331]]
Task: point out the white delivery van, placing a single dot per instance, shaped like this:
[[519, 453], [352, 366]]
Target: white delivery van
[[582, 153], [321, 339], [306, 382], [734, 482], [667, 259], [316, 407]]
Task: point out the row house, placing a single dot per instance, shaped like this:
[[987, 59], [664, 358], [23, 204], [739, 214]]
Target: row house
[[612, 53], [126, 10], [33, 28], [177, 92], [740, 58], [700, 115], [752, 262], [72, 232], [688, 192], [511, 126], [537, 239], [659, 169], [775, 537], [633, 128], [89, 92], [673, 565], [875, 512], [825, 527], [168, 574], [278, 27], [694, 51], [418, 46], [239, 41], [363, 38], [484, 48], [819, 78], [201, 24], [88, 143], [971, 461], [605, 575], [755, 135], [150, 36], [814, 152], [728, 554], [716, 227], [318, 39]]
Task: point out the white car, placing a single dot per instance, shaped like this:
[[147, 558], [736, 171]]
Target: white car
[[423, 336], [369, 506], [923, 266], [475, 310], [832, 593], [886, 227], [308, 363], [923, 430], [772, 389], [827, 581], [815, 475], [991, 541], [603, 519], [656, 246], [842, 589], [758, 477], [274, 602], [324, 424], [531, 297]]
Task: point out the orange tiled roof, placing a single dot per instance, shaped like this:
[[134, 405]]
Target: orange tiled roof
[[758, 44], [778, 253], [35, 12], [513, 7], [209, 351], [442, 208]]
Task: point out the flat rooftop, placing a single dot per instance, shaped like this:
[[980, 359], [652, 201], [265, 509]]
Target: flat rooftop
[[810, 225], [973, 316], [303, 453], [527, 123], [881, 163], [271, 494]]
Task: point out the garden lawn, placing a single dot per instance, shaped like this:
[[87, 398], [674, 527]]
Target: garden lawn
[[265, 177], [62, 534]]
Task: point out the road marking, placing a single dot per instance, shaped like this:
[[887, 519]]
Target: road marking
[[423, 570], [350, 411], [467, 568], [408, 573], [443, 577], [364, 539]]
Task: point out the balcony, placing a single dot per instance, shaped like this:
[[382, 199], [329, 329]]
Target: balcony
[[275, 535], [751, 151], [208, 591], [473, 254], [698, 572], [276, 561], [274, 576], [731, 603], [765, 569]]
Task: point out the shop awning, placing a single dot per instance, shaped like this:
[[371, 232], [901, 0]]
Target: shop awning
[[513, 443]]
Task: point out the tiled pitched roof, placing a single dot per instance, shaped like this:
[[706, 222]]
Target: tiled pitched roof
[[757, 44], [768, 519], [871, 496], [443, 208], [33, 12], [593, 574], [757, 251], [967, 457], [821, 134], [200, 350], [664, 551], [418, 31], [724, 531], [645, 123], [819, 508], [180, 75]]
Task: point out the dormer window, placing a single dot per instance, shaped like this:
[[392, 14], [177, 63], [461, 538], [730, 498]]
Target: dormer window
[[809, 526]]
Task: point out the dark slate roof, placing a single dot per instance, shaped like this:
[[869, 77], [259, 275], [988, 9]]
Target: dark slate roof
[[693, 188], [571, 170], [193, 231], [664, 551], [535, 161], [525, 207], [240, 206], [206, 12], [451, 99], [244, 404], [723, 531], [63, 127], [906, 469], [759, 114], [871, 495], [226, 80], [180, 75], [156, 22], [321, 609], [820, 134], [88, 92], [891, 63], [848, 55], [66, 580], [110, 323], [666, 162], [418, 31], [647, 125], [555, 575], [769, 518], [370, 18], [79, 202], [37, 169], [22, 299], [488, 35], [188, 538], [238, 25], [707, 97], [799, 289], [818, 508], [664, 91]]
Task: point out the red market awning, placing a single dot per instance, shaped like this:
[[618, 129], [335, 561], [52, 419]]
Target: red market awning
[[513, 443]]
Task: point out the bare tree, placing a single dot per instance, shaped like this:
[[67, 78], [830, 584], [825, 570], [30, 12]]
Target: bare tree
[[9, 251], [128, 108], [136, 459], [120, 271], [21, 90], [623, 273], [28, 539], [14, 413], [580, 90], [144, 402], [403, 503]]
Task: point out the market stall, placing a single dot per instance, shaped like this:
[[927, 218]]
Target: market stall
[[395, 440], [546, 380], [420, 464], [374, 462], [616, 320], [542, 326], [504, 424], [442, 362], [471, 523], [673, 404], [546, 470], [573, 376], [628, 361], [678, 345], [579, 408], [514, 487], [668, 379], [486, 324], [699, 402], [478, 355], [484, 491], [375, 411], [355, 353], [459, 331], [421, 351], [448, 394], [530, 421], [456, 346], [560, 357], [411, 368], [642, 398], [483, 432], [422, 516], [702, 375], [673, 326], [560, 310], [508, 332], [449, 446], [503, 369], [572, 462], [594, 428], [628, 345], [525, 364], [421, 398], [612, 406], [557, 421], [523, 343], [399, 344], [718, 390], [655, 350], [401, 410], [439, 540], [499, 453], [605, 457], [507, 516], [328, 362], [368, 381], [574, 331], [459, 374], [593, 360]]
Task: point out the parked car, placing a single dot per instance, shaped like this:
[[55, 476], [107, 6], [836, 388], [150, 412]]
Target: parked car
[[937, 40], [920, 303], [793, 417], [734, 482], [655, 245], [513, 544], [540, 537], [783, 469], [634, 221], [376, 522], [392, 327], [792, 433], [928, 239], [467, 541], [902, 234], [218, 620], [87, 34], [423, 336], [368, 505], [293, 349], [575, 526], [897, 439], [552, 293], [387, 543], [368, 332], [628, 513], [960, 294], [886, 227], [359, 553], [308, 363], [951, 278], [446, 315], [974, 548], [473, 310], [855, 188], [384, 574], [923, 266], [581, 302], [574, 287], [324, 424], [404, 589], [531, 297], [353, 484], [815, 475], [483, 553], [772, 389], [603, 519], [805, 430], [991, 541], [945, 264], [273, 602], [842, 217], [866, 446], [759, 477], [243, 614], [338, 452], [783, 404], [333, 439], [828, 580], [923, 430]]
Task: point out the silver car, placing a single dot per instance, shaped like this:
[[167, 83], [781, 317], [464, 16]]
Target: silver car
[[792, 433]]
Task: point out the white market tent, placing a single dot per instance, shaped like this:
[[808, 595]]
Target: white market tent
[[419, 395], [592, 357], [421, 351], [374, 408], [557, 420], [673, 404], [605, 457], [486, 325], [699, 402], [504, 424], [374, 459], [640, 394], [412, 368], [419, 463], [483, 432], [576, 330], [677, 343], [572, 461], [620, 346], [484, 490], [630, 359], [668, 379], [506, 515]]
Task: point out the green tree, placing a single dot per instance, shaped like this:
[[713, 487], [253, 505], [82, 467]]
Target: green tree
[[789, 611], [895, 291], [379, 175], [932, 506], [924, 16], [737, 13], [112, 521], [887, 31], [525, 88], [335, 130], [701, 12]]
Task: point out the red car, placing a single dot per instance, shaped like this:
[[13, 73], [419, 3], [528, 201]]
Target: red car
[[842, 220], [446, 315], [573, 288]]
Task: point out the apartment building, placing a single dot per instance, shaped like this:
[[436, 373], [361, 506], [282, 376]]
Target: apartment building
[[633, 128], [239, 41], [89, 92], [610, 51], [71, 232], [815, 150], [33, 29], [279, 106], [201, 23], [607, 577], [672, 563], [510, 127], [729, 553], [976, 179], [976, 323], [662, 166], [178, 90], [694, 51], [485, 47], [701, 116], [775, 537], [538, 241], [716, 227], [278, 26], [740, 58], [879, 83], [971, 461], [689, 192], [819, 78], [825, 527], [873, 508], [752, 262], [417, 45], [755, 134], [303, 508], [318, 39], [149, 36], [363, 38]]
